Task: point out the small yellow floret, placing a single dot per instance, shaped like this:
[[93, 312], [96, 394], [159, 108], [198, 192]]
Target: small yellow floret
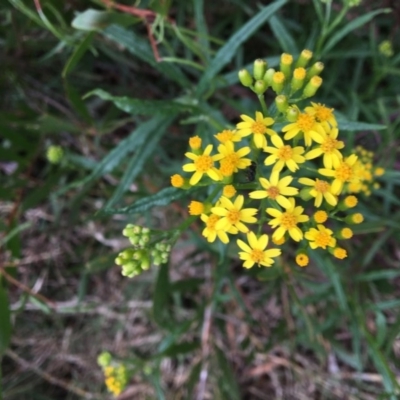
[[379, 171], [299, 73], [286, 59], [357, 218], [196, 208], [316, 81], [320, 217], [228, 191], [195, 142], [350, 201], [302, 260], [177, 181], [346, 233], [278, 77], [339, 253]]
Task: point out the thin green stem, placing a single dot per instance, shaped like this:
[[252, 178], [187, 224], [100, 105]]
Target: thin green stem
[[263, 104]]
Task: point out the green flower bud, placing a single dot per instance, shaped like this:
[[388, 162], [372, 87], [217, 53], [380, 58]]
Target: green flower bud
[[292, 113], [299, 75], [145, 231], [315, 69], [119, 261], [305, 57], [312, 87], [286, 64], [281, 103], [268, 76], [305, 194], [259, 69], [145, 262], [245, 78], [278, 80], [134, 240], [260, 87], [55, 154], [104, 359]]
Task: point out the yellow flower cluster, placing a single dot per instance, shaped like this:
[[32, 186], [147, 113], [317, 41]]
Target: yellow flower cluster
[[282, 171], [115, 378]]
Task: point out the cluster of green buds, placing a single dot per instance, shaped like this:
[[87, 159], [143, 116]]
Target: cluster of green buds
[[136, 259], [115, 374], [291, 77], [55, 154]]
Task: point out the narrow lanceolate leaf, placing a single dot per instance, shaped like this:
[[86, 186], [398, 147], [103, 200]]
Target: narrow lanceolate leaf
[[131, 143], [162, 198], [5, 321], [141, 49], [227, 52], [141, 155], [356, 23], [78, 53], [283, 36], [143, 107], [359, 126]]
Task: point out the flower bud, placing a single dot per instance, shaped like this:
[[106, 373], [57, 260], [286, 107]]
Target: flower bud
[[286, 64], [299, 75], [278, 80], [104, 359], [315, 69], [302, 259], [55, 154], [268, 76], [260, 87], [292, 113], [312, 87], [304, 58], [281, 103], [245, 78], [259, 69], [356, 218]]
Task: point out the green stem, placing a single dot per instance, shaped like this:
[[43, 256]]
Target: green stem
[[263, 104]]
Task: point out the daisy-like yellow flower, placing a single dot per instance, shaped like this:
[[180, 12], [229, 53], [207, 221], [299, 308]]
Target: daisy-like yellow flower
[[322, 114], [329, 147], [202, 164], [302, 259], [287, 221], [196, 208], [210, 232], [228, 191], [233, 214], [276, 189], [231, 160], [228, 135], [255, 253], [283, 155], [258, 127], [306, 124], [321, 237], [339, 253], [342, 173], [320, 190]]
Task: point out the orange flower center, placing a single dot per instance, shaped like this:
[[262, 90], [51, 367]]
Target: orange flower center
[[288, 220], [227, 168], [211, 221], [321, 186], [273, 192], [344, 172], [203, 163], [224, 136], [323, 113], [329, 145], [233, 216], [257, 255], [305, 122], [258, 128], [322, 239], [285, 153]]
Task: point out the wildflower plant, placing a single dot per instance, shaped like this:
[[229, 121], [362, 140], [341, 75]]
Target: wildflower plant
[[302, 182]]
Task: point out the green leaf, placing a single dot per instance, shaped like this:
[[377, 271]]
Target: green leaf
[[283, 36], [359, 126], [143, 107], [227, 382], [5, 321], [141, 49], [160, 298], [351, 26], [76, 101], [94, 20], [228, 51], [162, 198], [77, 54], [376, 275], [150, 135]]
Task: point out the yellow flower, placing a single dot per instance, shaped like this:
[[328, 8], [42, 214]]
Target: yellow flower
[[228, 135], [276, 189], [320, 190], [203, 164], [228, 191], [115, 379], [350, 201], [322, 114], [339, 253], [342, 173], [196, 208], [210, 232], [195, 142], [302, 259], [305, 123], [346, 233], [233, 214], [329, 148], [177, 181], [232, 160], [283, 155], [321, 237], [379, 171], [320, 217], [255, 253], [287, 221], [258, 127]]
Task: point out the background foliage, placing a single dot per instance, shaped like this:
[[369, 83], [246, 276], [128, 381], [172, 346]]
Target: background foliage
[[121, 88]]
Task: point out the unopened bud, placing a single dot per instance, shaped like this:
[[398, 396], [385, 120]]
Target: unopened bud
[[304, 58], [286, 64], [268, 76], [315, 69], [260, 87], [245, 78], [281, 103], [312, 87], [259, 69], [299, 75], [278, 80]]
